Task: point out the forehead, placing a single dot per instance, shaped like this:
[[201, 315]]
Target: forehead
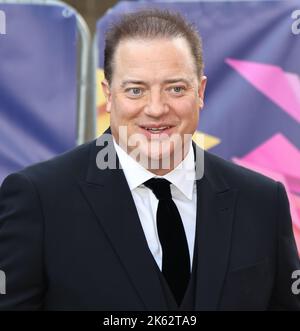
[[156, 58]]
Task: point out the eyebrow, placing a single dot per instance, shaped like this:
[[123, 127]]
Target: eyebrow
[[167, 81], [134, 82], [177, 80]]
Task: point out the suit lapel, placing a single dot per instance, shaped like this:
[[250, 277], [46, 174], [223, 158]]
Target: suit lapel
[[109, 196], [215, 215]]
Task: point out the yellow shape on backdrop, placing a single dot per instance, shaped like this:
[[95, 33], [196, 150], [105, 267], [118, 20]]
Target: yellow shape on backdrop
[[204, 140]]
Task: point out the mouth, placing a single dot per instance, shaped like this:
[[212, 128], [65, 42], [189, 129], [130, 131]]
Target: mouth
[[155, 131]]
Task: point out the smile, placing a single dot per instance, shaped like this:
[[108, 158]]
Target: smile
[[156, 130], [152, 131]]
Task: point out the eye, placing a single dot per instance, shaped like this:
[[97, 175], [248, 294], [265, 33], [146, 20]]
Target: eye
[[177, 89], [134, 91]]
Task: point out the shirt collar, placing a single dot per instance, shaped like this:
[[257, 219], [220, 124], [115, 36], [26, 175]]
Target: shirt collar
[[183, 176]]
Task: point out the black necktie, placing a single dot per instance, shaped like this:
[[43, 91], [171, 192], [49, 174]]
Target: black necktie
[[175, 259]]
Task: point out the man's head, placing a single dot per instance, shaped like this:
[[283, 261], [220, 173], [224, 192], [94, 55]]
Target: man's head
[[154, 79]]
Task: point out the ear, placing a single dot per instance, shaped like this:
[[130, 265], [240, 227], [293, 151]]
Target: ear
[[106, 90], [201, 90]]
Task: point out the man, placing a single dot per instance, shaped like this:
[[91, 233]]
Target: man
[[128, 222]]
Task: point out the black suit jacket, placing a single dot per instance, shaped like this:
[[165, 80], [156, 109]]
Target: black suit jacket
[[70, 238]]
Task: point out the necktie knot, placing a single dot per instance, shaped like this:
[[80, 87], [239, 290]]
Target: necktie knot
[[160, 187]]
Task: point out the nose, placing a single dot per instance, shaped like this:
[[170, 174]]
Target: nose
[[156, 105]]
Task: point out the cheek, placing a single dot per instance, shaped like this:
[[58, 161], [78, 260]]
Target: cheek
[[186, 109], [126, 109]]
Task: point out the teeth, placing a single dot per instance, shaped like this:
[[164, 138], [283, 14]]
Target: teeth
[[157, 129]]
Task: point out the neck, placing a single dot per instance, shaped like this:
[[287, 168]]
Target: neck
[[171, 163], [160, 165]]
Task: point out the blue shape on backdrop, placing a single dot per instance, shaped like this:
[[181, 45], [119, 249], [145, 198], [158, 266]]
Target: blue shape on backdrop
[[38, 85]]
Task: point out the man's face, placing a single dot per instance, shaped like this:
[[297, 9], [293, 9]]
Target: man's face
[[154, 94]]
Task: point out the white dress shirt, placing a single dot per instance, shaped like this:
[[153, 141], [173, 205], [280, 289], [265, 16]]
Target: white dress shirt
[[184, 194]]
